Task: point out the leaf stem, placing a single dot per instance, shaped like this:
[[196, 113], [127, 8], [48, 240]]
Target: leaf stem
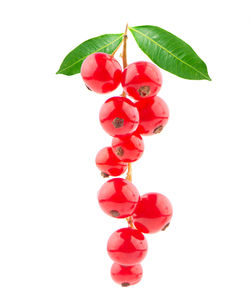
[[113, 54]]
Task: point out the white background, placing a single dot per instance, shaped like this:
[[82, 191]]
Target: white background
[[52, 232]]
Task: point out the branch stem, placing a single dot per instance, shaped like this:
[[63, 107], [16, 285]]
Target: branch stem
[[124, 52], [125, 64], [129, 172]]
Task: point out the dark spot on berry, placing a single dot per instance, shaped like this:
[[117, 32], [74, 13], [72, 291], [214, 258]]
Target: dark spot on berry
[[144, 91], [165, 227], [103, 174], [158, 130], [119, 151], [118, 122], [114, 213], [125, 284]]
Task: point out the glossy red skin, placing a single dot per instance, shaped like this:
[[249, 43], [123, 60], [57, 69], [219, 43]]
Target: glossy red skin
[[118, 197], [154, 114], [153, 213], [132, 147], [126, 275], [140, 74], [101, 72], [127, 246], [108, 163], [119, 108]]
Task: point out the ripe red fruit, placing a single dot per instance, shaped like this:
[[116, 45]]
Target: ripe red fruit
[[126, 275], [101, 72], [154, 114], [128, 148], [141, 79], [118, 197], [109, 164], [127, 246], [119, 116], [153, 213]]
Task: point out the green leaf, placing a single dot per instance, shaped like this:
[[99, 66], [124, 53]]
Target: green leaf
[[105, 43], [169, 52]]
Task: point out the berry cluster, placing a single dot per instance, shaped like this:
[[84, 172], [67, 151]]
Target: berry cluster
[[127, 121]]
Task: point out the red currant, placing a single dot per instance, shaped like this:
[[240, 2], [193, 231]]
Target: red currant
[[128, 148], [127, 246], [126, 275], [141, 79], [119, 116], [109, 164], [101, 72], [154, 114], [153, 213], [118, 197]]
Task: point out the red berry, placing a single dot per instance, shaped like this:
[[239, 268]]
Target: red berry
[[128, 148], [101, 72], [118, 197], [141, 79], [154, 114], [127, 246], [126, 275], [119, 116], [109, 164], [153, 213]]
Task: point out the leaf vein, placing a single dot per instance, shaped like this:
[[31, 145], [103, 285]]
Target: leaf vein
[[98, 50], [162, 47]]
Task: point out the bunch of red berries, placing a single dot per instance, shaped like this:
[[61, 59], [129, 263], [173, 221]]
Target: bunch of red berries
[[127, 121]]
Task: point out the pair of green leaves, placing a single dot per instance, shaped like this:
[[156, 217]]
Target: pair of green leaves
[[163, 48]]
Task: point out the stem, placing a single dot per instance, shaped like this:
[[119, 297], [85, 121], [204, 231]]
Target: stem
[[124, 52], [113, 54], [125, 64], [129, 172], [130, 222], [129, 178]]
